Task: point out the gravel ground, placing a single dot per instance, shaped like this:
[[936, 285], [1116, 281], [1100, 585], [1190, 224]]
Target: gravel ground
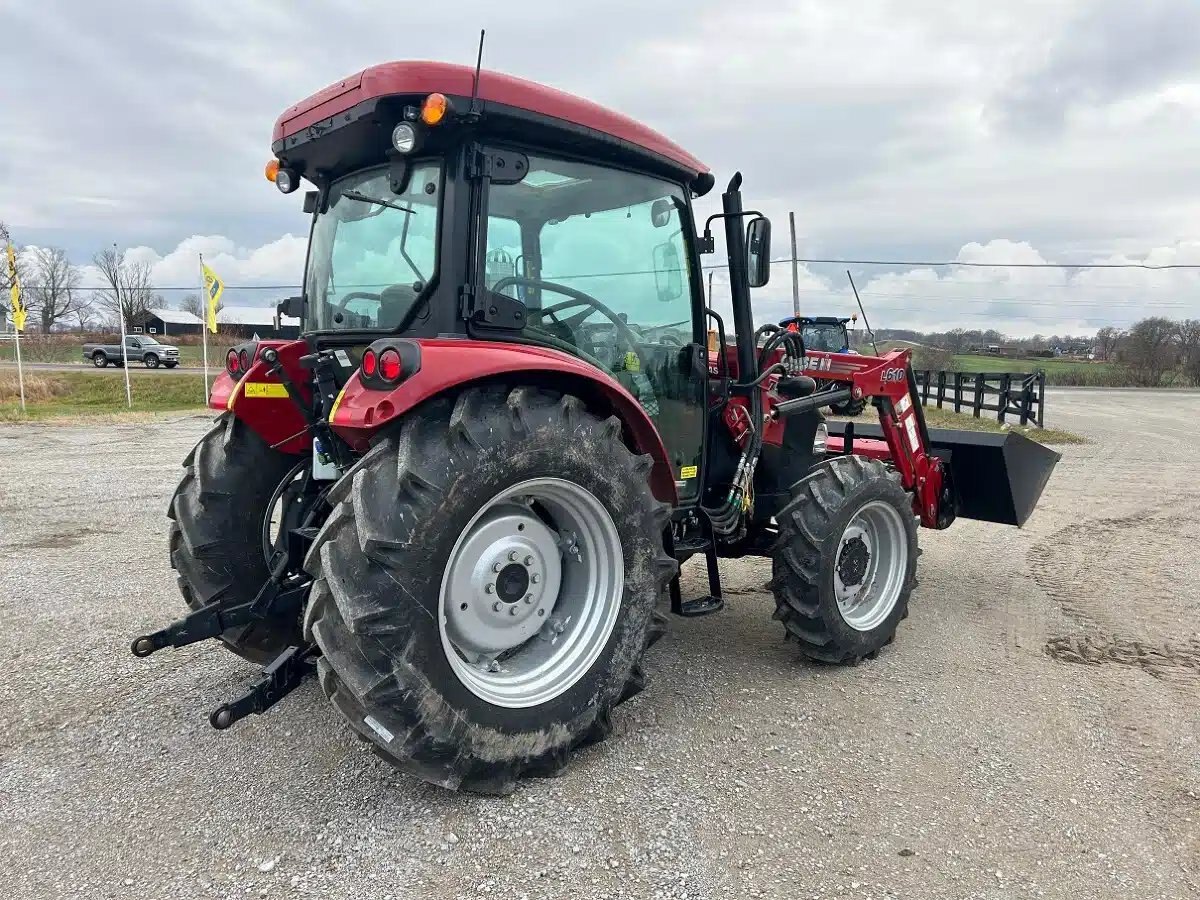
[[1033, 731]]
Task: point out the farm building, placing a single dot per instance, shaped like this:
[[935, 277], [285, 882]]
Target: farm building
[[234, 321], [166, 322]]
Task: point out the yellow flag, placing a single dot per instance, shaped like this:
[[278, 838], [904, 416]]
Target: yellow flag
[[213, 288], [14, 293]]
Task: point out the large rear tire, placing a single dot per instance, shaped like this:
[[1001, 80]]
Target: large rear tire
[[845, 562], [486, 585], [216, 533]]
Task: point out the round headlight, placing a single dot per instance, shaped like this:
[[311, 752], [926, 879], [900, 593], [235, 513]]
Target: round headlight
[[287, 181], [404, 138]]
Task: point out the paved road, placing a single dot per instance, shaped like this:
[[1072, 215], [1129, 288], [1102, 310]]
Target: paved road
[[111, 370], [1034, 731]]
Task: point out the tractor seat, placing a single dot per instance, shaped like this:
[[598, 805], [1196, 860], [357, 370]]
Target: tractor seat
[[794, 386]]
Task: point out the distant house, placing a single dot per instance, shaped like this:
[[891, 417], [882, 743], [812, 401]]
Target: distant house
[[169, 322], [248, 321]]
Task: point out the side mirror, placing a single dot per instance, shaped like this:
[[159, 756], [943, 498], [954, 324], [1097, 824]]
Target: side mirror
[[758, 251], [668, 272], [661, 211]]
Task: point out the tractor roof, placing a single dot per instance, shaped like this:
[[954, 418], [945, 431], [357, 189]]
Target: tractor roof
[[499, 94]]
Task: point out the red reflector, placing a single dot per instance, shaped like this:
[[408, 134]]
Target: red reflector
[[244, 360], [231, 362], [369, 363], [389, 365]]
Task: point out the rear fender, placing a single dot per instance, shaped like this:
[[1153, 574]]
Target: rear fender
[[260, 400], [448, 365]]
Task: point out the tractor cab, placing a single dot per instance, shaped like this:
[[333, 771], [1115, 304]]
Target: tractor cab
[[825, 333], [477, 206]]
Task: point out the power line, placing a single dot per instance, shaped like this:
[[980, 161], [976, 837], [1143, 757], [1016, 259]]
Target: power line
[[985, 265]]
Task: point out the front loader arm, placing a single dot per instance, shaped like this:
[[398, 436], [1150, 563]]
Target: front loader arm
[[905, 439]]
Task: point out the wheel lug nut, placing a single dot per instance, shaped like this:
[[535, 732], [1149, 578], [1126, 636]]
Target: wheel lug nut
[[489, 589], [529, 598], [496, 606], [529, 560], [497, 567], [535, 578], [512, 557], [512, 610]]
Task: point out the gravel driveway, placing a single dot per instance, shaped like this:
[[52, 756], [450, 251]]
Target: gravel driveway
[[1034, 731]]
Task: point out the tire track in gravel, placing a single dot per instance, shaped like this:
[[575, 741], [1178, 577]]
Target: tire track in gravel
[[1130, 581]]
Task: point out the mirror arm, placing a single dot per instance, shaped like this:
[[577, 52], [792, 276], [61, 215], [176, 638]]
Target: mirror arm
[[706, 243]]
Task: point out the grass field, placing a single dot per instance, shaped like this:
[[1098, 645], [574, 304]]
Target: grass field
[[75, 394]]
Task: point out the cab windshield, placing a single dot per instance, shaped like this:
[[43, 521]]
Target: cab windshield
[[373, 252], [828, 338]]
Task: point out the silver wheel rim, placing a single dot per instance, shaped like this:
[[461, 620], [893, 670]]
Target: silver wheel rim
[[531, 592], [871, 562]]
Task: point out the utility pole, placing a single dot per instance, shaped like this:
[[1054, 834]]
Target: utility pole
[[795, 268]]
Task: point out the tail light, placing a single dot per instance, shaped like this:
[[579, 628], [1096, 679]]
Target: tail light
[[387, 363], [239, 359]]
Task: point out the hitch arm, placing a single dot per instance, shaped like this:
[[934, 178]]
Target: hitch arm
[[282, 676], [277, 596]]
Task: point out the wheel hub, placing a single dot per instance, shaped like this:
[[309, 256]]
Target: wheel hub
[[852, 563], [503, 583], [512, 583]]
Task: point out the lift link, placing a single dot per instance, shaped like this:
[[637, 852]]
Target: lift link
[[282, 676], [279, 596]]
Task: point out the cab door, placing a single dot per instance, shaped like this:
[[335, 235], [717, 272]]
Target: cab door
[[603, 261]]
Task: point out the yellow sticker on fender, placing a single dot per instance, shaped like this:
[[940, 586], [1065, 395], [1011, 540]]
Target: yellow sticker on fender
[[688, 472], [264, 389]]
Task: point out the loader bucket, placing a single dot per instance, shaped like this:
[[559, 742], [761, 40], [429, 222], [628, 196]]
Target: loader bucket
[[998, 477]]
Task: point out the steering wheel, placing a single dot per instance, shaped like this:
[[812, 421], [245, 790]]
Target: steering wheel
[[358, 295], [577, 298]]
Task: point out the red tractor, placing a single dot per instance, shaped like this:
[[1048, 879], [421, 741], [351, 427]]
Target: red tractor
[[463, 495]]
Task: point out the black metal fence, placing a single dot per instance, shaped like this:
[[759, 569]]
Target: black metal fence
[[1019, 394]]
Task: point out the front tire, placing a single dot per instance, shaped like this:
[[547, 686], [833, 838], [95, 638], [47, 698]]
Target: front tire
[[845, 563], [419, 654], [850, 407], [99, 359], [150, 361], [216, 533]]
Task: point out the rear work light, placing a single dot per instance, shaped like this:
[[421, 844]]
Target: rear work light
[[231, 363], [388, 362]]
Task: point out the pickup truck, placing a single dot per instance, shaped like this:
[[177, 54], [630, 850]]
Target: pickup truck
[[150, 352]]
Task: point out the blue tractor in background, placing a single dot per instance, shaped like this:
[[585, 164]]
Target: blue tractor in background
[[831, 335]]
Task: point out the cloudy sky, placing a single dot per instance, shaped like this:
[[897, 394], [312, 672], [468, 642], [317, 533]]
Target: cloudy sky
[[1063, 131]]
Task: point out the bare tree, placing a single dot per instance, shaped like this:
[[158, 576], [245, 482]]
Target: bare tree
[[1189, 348], [128, 289], [193, 304], [54, 292], [1150, 351], [1107, 339]]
